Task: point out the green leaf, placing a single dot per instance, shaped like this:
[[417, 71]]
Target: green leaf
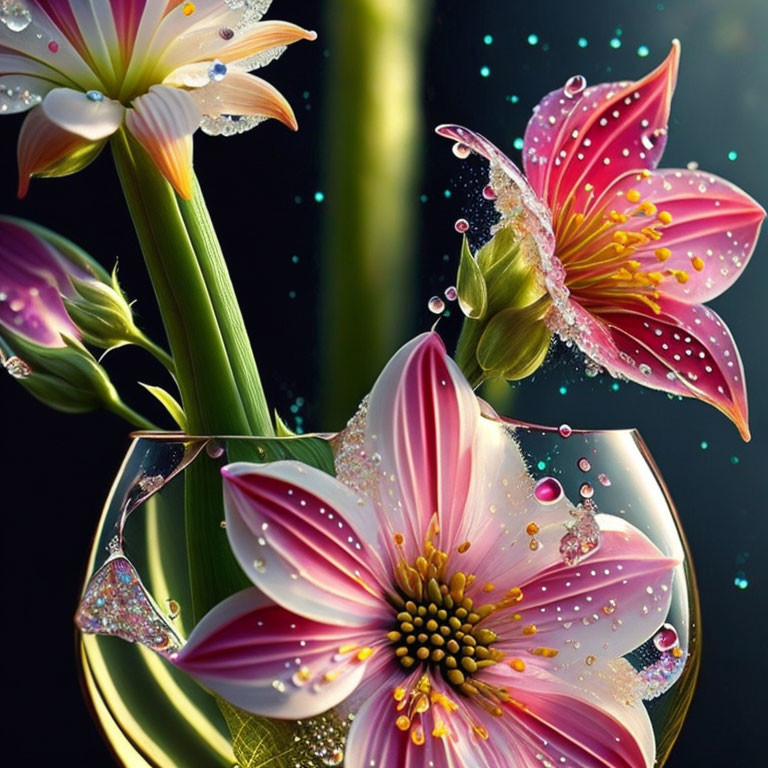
[[503, 244], [311, 450], [169, 402], [470, 284], [281, 428]]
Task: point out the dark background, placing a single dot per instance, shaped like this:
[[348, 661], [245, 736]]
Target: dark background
[[56, 469]]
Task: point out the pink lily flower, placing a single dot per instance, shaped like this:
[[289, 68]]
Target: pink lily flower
[[162, 68], [368, 585], [627, 253], [34, 275]]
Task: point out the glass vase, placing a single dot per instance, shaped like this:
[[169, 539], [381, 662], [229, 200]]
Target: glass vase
[[151, 714]]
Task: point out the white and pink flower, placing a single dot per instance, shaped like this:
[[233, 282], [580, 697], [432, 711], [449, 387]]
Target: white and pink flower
[[162, 68], [407, 591], [629, 254]]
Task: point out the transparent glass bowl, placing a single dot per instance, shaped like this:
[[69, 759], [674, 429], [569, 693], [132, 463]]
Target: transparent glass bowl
[[153, 715]]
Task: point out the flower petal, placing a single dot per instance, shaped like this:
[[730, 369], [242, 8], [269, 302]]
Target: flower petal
[[44, 149], [74, 112], [712, 231], [292, 529], [422, 417], [272, 662], [605, 606], [19, 93], [163, 121], [687, 350], [242, 94], [582, 725], [608, 130]]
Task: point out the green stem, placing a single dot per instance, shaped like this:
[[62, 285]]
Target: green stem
[[466, 352], [119, 408], [157, 352], [207, 338]]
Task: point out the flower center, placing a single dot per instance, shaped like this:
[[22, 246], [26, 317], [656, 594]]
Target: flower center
[[442, 629]]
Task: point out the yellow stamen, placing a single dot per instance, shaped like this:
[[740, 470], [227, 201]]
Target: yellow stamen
[[417, 735], [680, 275], [618, 217], [665, 217], [633, 196], [649, 209], [634, 265], [329, 677], [530, 629], [480, 731], [697, 263], [488, 587], [463, 547], [365, 653], [188, 9], [348, 648], [655, 277], [548, 653], [399, 539], [662, 254], [531, 529], [399, 693], [651, 233], [403, 722], [518, 665]]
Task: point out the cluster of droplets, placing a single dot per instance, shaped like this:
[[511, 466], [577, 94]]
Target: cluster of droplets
[[321, 740], [355, 468], [17, 98], [582, 534], [436, 304], [15, 15], [251, 10], [15, 366], [229, 125]]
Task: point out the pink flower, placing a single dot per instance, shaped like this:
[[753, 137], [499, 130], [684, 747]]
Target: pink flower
[[628, 254], [408, 589], [33, 277], [162, 67]]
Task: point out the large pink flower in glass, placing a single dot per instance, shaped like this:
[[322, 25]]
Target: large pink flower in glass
[[628, 253], [408, 588], [163, 68]]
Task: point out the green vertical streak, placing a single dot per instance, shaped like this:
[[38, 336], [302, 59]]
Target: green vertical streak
[[373, 121]]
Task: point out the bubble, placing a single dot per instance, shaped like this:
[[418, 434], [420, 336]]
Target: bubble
[[518, 143], [565, 430], [645, 369], [604, 479], [582, 42], [488, 39], [436, 305], [319, 196], [574, 86], [214, 449], [485, 71], [533, 39], [583, 464], [217, 71], [615, 43], [488, 192], [17, 367], [95, 95], [586, 491], [15, 15], [741, 581], [643, 51], [451, 293], [733, 156], [548, 490], [666, 638], [461, 225], [461, 151]]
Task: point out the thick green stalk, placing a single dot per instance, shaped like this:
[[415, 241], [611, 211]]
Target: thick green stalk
[[207, 338], [374, 91]]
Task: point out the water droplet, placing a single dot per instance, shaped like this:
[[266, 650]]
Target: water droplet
[[333, 758], [643, 51], [451, 293], [214, 449], [565, 430], [648, 140], [461, 225], [225, 33], [260, 565], [17, 367], [217, 71], [666, 638], [95, 95], [548, 490], [15, 15], [590, 660], [436, 305], [604, 479], [586, 491], [583, 464], [53, 46], [461, 151], [645, 369], [488, 192], [609, 607], [574, 86]]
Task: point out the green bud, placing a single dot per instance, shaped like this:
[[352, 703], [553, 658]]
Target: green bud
[[101, 313], [470, 285], [515, 341], [66, 378]]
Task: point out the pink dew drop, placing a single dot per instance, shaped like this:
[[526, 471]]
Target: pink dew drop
[[461, 150], [548, 490], [604, 479], [461, 225], [565, 430], [666, 638], [574, 86], [53, 46], [436, 305], [488, 192], [451, 293], [586, 491], [583, 464]]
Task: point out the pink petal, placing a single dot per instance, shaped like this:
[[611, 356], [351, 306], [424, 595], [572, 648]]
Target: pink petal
[[42, 146], [163, 121], [272, 662], [242, 94], [580, 725], [74, 112], [573, 142], [292, 529], [605, 606], [687, 350], [32, 279], [713, 221], [422, 417]]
